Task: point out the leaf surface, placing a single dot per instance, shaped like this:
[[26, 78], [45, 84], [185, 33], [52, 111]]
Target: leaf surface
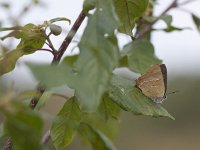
[[64, 127], [140, 55], [96, 138], [130, 98], [129, 11]]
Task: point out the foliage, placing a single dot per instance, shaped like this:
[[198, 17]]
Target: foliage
[[100, 96]]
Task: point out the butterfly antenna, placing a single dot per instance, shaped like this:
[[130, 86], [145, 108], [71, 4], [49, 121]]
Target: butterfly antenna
[[172, 92]]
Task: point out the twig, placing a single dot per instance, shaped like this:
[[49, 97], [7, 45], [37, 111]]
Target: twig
[[69, 37], [148, 27], [45, 49], [50, 44]]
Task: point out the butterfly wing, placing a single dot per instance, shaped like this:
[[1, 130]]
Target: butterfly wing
[[153, 83]]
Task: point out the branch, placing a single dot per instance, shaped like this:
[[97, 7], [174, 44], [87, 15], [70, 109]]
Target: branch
[[148, 27], [69, 37]]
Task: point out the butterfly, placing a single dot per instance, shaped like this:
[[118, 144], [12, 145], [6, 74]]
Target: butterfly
[[153, 83]]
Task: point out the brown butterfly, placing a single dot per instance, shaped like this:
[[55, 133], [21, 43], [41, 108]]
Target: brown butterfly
[[153, 83]]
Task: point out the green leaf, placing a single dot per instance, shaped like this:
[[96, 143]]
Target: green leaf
[[108, 108], [95, 137], [108, 126], [32, 38], [23, 125], [70, 60], [123, 62], [52, 76], [64, 127], [129, 11], [125, 94], [196, 20], [173, 28], [8, 61], [43, 99], [166, 18], [99, 55], [140, 56]]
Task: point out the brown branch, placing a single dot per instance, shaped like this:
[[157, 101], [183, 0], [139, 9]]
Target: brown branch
[[148, 27], [69, 38]]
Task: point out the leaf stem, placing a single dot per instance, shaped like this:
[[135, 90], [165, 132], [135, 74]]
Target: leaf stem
[[49, 43], [45, 49]]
